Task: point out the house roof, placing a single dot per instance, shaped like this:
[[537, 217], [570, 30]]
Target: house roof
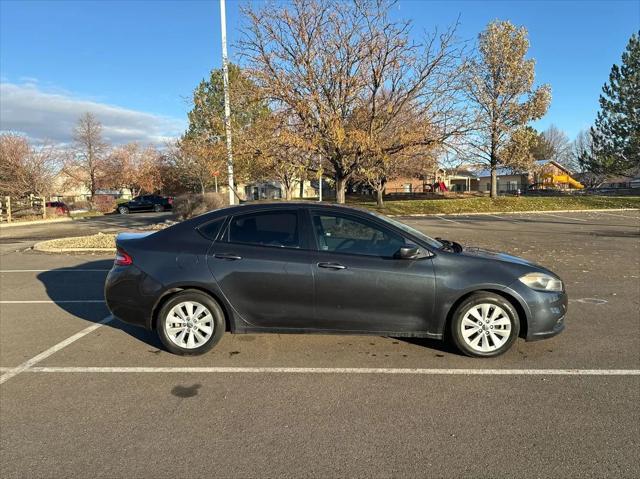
[[501, 171], [554, 163]]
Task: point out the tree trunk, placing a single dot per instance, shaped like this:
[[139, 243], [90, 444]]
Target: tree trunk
[[379, 196], [288, 192], [341, 186], [494, 182]]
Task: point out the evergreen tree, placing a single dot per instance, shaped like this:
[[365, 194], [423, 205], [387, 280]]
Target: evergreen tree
[[616, 134]]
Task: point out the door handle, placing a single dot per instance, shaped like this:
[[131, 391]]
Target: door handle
[[227, 256], [331, 266]]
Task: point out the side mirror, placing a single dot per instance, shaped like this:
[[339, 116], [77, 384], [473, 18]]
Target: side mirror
[[409, 252]]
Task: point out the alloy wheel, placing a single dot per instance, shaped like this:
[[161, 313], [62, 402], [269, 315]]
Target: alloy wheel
[[189, 324], [485, 327]]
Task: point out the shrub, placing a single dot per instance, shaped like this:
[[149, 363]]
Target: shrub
[[53, 212], [191, 204], [104, 203], [78, 205]]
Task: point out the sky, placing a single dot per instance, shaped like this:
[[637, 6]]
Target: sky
[[135, 63]]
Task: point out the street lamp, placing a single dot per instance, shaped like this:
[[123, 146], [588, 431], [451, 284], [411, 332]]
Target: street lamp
[[227, 107]]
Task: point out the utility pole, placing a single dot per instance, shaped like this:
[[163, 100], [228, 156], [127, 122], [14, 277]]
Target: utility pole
[[227, 107]]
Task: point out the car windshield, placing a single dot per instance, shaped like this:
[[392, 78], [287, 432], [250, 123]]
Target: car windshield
[[412, 231]]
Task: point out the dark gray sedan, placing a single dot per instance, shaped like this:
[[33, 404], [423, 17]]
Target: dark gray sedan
[[314, 268]]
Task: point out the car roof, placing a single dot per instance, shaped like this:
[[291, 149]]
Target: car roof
[[267, 205]]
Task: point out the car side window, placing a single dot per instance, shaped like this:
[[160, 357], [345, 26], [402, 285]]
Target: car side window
[[211, 229], [278, 228], [345, 234]]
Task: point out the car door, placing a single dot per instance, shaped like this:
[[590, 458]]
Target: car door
[[361, 284], [262, 263], [146, 202], [135, 204]]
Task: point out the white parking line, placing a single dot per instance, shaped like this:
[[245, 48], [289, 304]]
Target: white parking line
[[50, 301], [446, 219], [54, 349], [509, 220], [619, 216], [61, 270], [563, 217], [287, 370]]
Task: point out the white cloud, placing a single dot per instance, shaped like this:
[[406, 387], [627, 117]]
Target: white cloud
[[51, 116]]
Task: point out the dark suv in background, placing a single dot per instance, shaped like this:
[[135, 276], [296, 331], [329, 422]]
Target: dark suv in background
[[146, 203]]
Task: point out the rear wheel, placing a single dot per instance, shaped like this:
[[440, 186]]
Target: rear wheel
[[158, 208], [123, 210], [190, 323], [485, 325]]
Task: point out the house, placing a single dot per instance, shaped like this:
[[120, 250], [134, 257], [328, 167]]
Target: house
[[273, 190], [507, 180], [551, 174]]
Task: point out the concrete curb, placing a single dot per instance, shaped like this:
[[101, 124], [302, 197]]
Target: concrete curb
[[536, 212], [36, 222], [46, 247]]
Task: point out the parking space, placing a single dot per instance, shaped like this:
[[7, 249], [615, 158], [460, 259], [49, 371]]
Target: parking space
[[564, 407]]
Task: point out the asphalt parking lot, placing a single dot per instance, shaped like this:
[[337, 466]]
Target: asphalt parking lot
[[83, 398]]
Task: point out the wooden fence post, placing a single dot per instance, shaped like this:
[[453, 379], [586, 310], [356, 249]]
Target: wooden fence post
[[7, 199]]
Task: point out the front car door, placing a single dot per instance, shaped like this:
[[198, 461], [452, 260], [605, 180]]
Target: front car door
[[262, 263], [360, 282]]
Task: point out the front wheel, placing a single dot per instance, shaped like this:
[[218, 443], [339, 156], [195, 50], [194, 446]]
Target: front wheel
[[123, 210], [485, 325], [158, 208], [190, 323]]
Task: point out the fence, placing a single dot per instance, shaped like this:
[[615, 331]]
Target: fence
[[12, 208]]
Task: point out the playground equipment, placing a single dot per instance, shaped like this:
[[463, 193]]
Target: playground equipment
[[561, 181]]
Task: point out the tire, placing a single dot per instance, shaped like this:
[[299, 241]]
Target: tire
[[158, 208], [178, 326], [485, 325], [123, 210]]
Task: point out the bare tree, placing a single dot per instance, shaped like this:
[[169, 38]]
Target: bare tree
[[85, 163], [349, 75], [501, 89], [558, 147], [26, 169], [272, 148], [195, 163], [133, 167]]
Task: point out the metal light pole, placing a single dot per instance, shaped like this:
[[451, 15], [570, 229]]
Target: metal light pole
[[227, 107]]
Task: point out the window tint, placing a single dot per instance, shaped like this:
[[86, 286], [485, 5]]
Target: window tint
[[267, 229], [210, 230], [342, 234]]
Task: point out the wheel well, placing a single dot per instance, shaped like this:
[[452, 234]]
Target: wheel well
[[522, 316], [172, 292]]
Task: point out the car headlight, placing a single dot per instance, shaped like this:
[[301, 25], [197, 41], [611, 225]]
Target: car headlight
[[541, 282]]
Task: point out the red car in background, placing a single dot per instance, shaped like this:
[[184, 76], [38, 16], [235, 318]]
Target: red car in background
[[61, 209]]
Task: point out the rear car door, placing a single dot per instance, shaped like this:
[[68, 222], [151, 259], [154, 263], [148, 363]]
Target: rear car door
[[262, 263], [360, 282]]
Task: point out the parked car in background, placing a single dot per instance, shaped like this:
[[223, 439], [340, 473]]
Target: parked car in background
[[146, 203], [311, 268], [61, 209]]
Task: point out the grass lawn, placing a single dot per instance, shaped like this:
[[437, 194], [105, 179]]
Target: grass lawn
[[506, 204]]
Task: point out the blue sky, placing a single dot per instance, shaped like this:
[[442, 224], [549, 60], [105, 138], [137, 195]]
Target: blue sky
[[136, 62]]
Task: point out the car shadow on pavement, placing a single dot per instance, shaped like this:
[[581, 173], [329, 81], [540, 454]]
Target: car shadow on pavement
[[437, 345], [68, 287]]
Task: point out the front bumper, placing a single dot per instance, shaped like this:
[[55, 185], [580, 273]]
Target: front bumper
[[545, 311]]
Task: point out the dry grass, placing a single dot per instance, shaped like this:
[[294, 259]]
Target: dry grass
[[98, 241]]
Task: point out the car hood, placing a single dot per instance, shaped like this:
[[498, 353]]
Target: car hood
[[496, 255]]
